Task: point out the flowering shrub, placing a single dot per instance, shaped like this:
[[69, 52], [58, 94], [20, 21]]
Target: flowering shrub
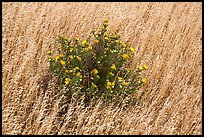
[[96, 67]]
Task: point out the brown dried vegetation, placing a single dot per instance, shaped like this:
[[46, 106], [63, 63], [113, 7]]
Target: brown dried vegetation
[[166, 36]]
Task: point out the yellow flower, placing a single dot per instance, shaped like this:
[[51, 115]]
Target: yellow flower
[[145, 67], [61, 55], [110, 73], [79, 75], [71, 57], [67, 81], [62, 62], [95, 71], [76, 68], [66, 71], [123, 44], [57, 57], [108, 84], [84, 42], [71, 49], [140, 68], [120, 78], [132, 49], [90, 35], [144, 80], [125, 56], [113, 67], [106, 38], [93, 85], [113, 84], [89, 47], [79, 58], [49, 52]]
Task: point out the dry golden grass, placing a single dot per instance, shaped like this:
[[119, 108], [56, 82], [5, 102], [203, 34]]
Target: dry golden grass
[[167, 37]]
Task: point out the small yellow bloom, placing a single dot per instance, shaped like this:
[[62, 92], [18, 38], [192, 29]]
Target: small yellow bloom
[[144, 80], [113, 67], [67, 81], [66, 71], [111, 73], [140, 68], [120, 78], [125, 56], [49, 52], [71, 57], [71, 49], [90, 35], [123, 44], [145, 67], [62, 62], [94, 85], [132, 49], [76, 68], [79, 75], [84, 42], [113, 84], [79, 58], [108, 85], [57, 57], [106, 38], [95, 71], [89, 47]]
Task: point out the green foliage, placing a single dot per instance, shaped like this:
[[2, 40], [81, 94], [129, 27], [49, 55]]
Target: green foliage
[[96, 67]]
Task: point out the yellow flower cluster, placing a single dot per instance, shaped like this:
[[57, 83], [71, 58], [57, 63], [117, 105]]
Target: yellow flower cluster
[[95, 71], [79, 75], [125, 56], [67, 81], [109, 84], [113, 67], [84, 42], [71, 56], [76, 68], [49, 52], [93, 85], [79, 58], [132, 49], [62, 62], [144, 80], [71, 49]]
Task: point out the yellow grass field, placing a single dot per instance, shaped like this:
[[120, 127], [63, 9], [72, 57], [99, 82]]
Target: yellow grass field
[[167, 38]]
